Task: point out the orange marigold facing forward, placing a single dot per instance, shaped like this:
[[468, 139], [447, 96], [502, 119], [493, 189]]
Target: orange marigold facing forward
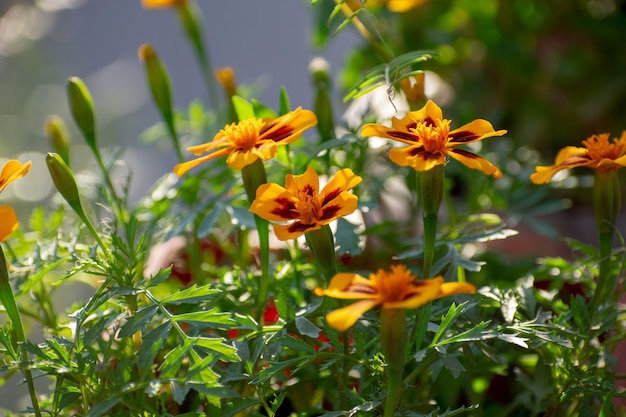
[[301, 207], [393, 289], [598, 153], [431, 140]]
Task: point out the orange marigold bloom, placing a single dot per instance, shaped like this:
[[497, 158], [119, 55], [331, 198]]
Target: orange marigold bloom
[[251, 139], [300, 207], [154, 4], [11, 171], [398, 6], [394, 289], [598, 153], [431, 140]]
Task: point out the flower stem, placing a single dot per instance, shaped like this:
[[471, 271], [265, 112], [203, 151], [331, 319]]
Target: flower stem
[[393, 333], [322, 245]]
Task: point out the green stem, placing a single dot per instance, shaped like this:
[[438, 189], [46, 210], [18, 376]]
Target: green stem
[[171, 129], [393, 337], [322, 245]]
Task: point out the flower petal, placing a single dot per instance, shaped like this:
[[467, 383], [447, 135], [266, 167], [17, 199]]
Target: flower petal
[[474, 131], [451, 288], [293, 230], [471, 160], [183, 167], [567, 158], [340, 206], [428, 114], [342, 319], [8, 222], [308, 182], [416, 157], [288, 127], [349, 286], [401, 135], [274, 203], [343, 180], [11, 171]]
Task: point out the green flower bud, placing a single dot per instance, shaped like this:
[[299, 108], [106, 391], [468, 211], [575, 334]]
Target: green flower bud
[[64, 180], [158, 80], [323, 104], [57, 134], [81, 106]]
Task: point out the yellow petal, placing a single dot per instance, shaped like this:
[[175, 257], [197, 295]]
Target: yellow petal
[[340, 206], [450, 288], [343, 318], [349, 286], [429, 113], [343, 180], [11, 171], [401, 6], [8, 222], [474, 131], [403, 157], [293, 230], [309, 182], [151, 4], [289, 127], [183, 167], [273, 203], [567, 158], [471, 160]]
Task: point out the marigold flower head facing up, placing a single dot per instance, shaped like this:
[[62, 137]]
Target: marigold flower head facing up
[[251, 139], [159, 4], [431, 140], [397, 288], [11, 171], [598, 153], [301, 207]]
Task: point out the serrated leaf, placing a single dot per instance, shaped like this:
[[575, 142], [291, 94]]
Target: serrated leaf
[[473, 334], [207, 225], [191, 295], [136, 322], [453, 312], [206, 319], [228, 352], [174, 358], [274, 368], [103, 407], [346, 238], [151, 344], [298, 345]]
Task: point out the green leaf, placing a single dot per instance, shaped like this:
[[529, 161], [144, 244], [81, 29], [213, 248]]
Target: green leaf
[[228, 353], [261, 111], [137, 321], [173, 359], [453, 312], [284, 106], [347, 239], [298, 345], [206, 319], [473, 334], [150, 346], [243, 108], [191, 295], [274, 368], [306, 327], [103, 407]]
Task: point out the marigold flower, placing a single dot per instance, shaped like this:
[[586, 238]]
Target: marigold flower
[[598, 153], [300, 207], [397, 6], [394, 289], [11, 171], [155, 4], [251, 139], [431, 140]]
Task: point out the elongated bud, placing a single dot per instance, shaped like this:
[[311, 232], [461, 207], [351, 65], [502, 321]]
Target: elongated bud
[[81, 105], [57, 134], [323, 104], [64, 180], [158, 80], [226, 77], [322, 244]]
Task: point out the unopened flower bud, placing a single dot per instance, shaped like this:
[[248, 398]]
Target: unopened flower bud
[[323, 104], [64, 180], [158, 80], [81, 105], [57, 134]]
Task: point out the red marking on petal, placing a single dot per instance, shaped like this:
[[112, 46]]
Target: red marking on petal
[[360, 288], [463, 136], [429, 121], [329, 212], [278, 135], [286, 209], [299, 227], [403, 135], [465, 153], [423, 153], [331, 196], [309, 190]]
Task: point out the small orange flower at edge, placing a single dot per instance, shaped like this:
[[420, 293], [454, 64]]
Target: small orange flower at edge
[[431, 140], [11, 171], [300, 207], [394, 289], [251, 139], [154, 4], [598, 153]]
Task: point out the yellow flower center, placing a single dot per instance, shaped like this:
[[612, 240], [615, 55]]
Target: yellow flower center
[[599, 147], [395, 284], [434, 136], [309, 206], [245, 134]]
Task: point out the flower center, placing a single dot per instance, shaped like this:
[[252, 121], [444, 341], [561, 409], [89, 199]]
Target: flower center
[[245, 134], [599, 147], [434, 136], [393, 285], [309, 206]]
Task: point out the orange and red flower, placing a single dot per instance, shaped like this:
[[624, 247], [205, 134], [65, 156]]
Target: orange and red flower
[[11, 171]]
